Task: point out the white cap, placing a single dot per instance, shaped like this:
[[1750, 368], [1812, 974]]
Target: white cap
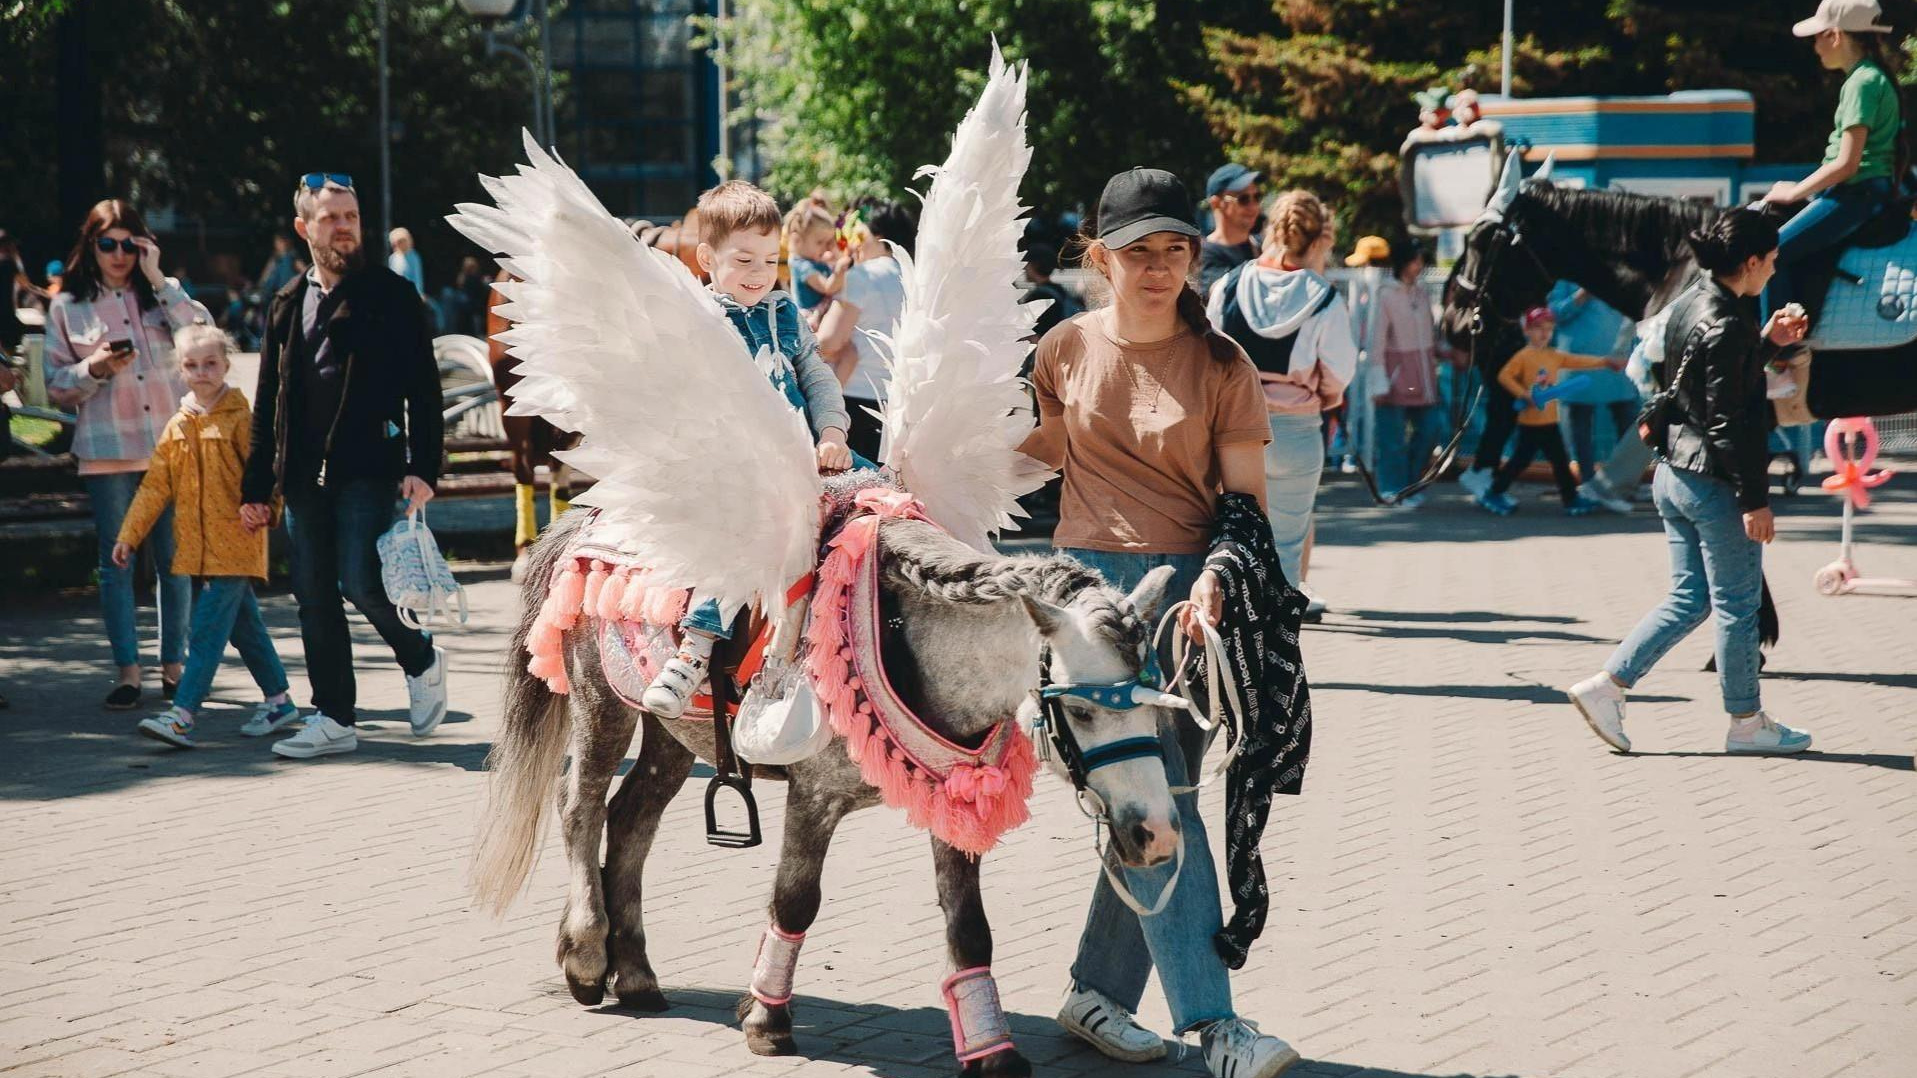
[[1850, 16]]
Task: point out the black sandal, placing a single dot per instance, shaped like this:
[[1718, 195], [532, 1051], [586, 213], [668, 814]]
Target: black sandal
[[123, 698]]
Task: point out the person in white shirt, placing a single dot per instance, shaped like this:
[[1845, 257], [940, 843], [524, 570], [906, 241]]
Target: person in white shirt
[[868, 307]]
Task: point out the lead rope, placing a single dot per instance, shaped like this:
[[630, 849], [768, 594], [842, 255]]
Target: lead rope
[[1220, 687]]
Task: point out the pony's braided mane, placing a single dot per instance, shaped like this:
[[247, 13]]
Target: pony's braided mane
[[943, 568]]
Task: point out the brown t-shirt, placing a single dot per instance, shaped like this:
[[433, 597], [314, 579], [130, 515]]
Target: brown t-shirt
[[1136, 428]]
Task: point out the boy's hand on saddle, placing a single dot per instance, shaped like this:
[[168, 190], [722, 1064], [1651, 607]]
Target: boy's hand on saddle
[[122, 554], [834, 455]]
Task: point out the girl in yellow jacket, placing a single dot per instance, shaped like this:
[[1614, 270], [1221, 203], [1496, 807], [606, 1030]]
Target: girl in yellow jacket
[[196, 467]]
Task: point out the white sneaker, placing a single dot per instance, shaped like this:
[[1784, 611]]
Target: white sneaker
[[1235, 1049], [321, 736], [270, 719], [172, 726], [1596, 490], [1601, 702], [426, 696], [1760, 735], [1095, 1019], [1413, 501], [671, 692], [1477, 481]]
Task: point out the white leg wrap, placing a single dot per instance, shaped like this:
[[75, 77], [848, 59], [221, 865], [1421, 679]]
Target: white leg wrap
[[978, 1021], [772, 971]]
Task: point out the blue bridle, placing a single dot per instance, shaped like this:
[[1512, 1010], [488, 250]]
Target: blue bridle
[[1143, 690]]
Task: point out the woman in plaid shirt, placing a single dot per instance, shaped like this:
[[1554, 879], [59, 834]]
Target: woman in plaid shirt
[[110, 359]]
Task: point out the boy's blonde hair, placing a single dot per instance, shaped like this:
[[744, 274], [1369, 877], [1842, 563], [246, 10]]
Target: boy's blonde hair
[[198, 335], [735, 206]]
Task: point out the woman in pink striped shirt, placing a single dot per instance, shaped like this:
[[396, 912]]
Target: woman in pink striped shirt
[[110, 359]]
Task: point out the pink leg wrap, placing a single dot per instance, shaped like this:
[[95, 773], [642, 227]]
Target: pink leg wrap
[[772, 970], [978, 1022]]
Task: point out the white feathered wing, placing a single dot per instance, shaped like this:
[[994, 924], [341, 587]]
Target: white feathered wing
[[956, 409], [704, 472]]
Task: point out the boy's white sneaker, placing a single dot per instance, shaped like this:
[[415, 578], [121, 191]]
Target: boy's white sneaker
[[1761, 735], [321, 736], [426, 696], [671, 692], [1108, 1027], [270, 719], [1235, 1049], [1601, 701], [172, 726]]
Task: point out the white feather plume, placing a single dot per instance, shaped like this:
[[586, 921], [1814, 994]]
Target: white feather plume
[[956, 409], [704, 472]]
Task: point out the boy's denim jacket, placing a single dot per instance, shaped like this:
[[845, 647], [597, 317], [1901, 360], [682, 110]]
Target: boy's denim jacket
[[799, 371]]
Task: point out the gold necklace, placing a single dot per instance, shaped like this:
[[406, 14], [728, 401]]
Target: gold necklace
[[1157, 376]]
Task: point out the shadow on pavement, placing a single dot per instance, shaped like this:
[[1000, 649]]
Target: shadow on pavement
[[1892, 681], [1334, 624], [1863, 759], [1525, 693], [1459, 617], [893, 1041]]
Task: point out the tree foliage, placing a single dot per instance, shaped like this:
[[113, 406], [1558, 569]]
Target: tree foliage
[[855, 95], [1320, 96], [216, 107]]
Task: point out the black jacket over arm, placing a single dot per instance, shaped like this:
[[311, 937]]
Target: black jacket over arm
[[1723, 420], [388, 424]]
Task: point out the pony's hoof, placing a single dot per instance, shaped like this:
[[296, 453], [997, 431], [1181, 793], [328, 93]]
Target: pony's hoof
[[772, 1044], [998, 1065], [648, 999], [588, 993]]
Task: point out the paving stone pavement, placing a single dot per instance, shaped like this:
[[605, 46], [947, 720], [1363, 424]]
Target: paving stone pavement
[[1470, 885]]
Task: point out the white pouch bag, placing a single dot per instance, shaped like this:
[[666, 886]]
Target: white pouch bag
[[417, 578], [780, 721]]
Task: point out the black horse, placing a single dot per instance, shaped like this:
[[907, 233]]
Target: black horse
[[1628, 250]]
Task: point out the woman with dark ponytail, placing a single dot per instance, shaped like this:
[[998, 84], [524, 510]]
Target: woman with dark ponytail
[[1153, 419], [1864, 163], [1295, 327], [1710, 428]]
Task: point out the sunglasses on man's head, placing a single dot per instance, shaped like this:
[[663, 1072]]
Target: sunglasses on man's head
[[126, 246], [316, 181]]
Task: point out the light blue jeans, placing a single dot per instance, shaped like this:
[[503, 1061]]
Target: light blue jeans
[[1118, 949], [111, 496], [707, 619], [224, 609], [1294, 462], [1715, 568]]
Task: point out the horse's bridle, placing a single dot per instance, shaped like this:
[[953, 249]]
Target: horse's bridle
[[1054, 729]]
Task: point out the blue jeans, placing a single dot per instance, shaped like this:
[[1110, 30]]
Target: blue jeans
[[1294, 462], [1826, 222], [1401, 459], [1584, 434], [110, 496], [707, 619], [1715, 568], [1118, 949], [334, 531], [224, 609]]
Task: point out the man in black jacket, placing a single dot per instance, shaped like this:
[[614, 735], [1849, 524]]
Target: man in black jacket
[[346, 422]]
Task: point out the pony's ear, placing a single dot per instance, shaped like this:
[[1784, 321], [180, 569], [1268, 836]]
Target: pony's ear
[[1149, 596], [1049, 619], [1543, 174]]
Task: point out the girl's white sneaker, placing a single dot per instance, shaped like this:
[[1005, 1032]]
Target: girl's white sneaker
[[1235, 1049], [1601, 702], [1095, 1019]]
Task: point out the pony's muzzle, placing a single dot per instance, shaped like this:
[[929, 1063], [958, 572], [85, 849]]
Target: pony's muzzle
[[1144, 840]]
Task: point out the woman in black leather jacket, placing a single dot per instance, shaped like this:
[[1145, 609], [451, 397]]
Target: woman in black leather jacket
[[1711, 486]]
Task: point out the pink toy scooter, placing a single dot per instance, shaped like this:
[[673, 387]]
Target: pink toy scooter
[[1851, 445]]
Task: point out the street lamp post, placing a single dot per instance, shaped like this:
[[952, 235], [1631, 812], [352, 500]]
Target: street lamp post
[[492, 14], [1504, 80]]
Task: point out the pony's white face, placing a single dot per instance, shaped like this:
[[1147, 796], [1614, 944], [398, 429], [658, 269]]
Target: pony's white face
[[1101, 639]]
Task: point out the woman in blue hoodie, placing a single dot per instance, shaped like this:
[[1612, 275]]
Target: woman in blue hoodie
[[1294, 325]]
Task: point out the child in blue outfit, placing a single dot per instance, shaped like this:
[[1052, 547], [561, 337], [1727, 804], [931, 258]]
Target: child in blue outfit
[[739, 241]]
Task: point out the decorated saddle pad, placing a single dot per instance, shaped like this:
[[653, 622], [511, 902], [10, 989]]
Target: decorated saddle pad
[[1872, 300]]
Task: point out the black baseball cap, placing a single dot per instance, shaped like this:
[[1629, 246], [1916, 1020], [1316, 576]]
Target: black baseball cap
[[1230, 177], [1140, 202]]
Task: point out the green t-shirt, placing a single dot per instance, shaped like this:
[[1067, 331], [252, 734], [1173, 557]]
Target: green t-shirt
[[1869, 100]]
